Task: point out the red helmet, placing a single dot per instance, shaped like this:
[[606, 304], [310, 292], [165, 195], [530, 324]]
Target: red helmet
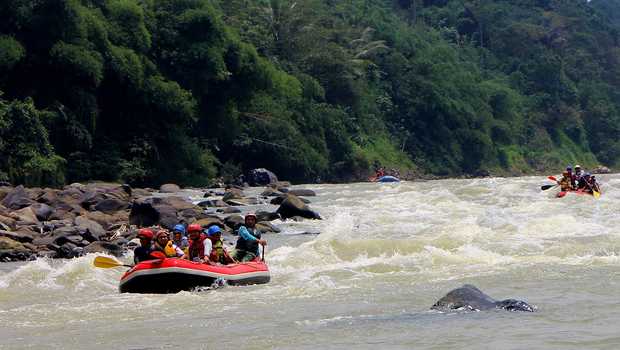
[[146, 233], [194, 228], [162, 233]]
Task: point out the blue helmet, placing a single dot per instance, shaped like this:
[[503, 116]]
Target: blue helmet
[[179, 228], [569, 168], [213, 230]]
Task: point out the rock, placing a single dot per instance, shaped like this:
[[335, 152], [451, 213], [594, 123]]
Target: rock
[[108, 220], [158, 210], [234, 221], [69, 250], [210, 221], [6, 222], [103, 247], [233, 193], [482, 173], [26, 216], [90, 230], [262, 215], [243, 202], [21, 236], [601, 170], [5, 184], [270, 192], [217, 203], [267, 227], [169, 188], [62, 214], [294, 206], [469, 297], [9, 244], [16, 199], [42, 211], [301, 192], [282, 184], [278, 200], [261, 177], [49, 196], [111, 205], [43, 241], [229, 210]]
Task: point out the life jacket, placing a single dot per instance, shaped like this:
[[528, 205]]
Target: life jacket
[[196, 248], [218, 253], [249, 246], [565, 184], [168, 249]]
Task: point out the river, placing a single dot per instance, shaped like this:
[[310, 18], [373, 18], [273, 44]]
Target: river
[[385, 254]]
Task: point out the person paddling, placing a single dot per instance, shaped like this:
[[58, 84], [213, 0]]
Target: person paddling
[[248, 241], [571, 176], [565, 182], [143, 252], [199, 245]]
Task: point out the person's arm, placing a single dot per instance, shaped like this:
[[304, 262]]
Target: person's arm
[[178, 250], [208, 248], [245, 234]]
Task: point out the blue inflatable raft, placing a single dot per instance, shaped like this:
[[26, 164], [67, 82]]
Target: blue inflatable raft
[[388, 178]]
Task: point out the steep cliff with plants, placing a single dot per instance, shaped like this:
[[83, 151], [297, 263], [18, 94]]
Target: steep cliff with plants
[[151, 91]]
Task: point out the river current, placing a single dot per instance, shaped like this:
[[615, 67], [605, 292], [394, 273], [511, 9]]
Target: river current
[[384, 255]]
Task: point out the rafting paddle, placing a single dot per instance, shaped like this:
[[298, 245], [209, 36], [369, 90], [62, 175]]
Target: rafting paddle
[[106, 263], [546, 187]]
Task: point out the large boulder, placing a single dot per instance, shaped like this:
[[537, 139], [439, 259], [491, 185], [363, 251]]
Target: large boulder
[[302, 192], [217, 203], [17, 198], [42, 211], [262, 215], [279, 199], [261, 177], [294, 206], [233, 194], [21, 236], [601, 170], [234, 221], [111, 205], [25, 216], [159, 210], [104, 247], [210, 221], [7, 243], [89, 229], [267, 227], [13, 250], [108, 220], [469, 297], [169, 188]]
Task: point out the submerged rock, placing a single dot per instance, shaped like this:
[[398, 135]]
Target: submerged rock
[[469, 297]]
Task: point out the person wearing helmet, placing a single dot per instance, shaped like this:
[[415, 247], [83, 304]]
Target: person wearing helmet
[[248, 241], [565, 182], [571, 176], [218, 253], [199, 246], [179, 238], [594, 185], [578, 174], [143, 251], [164, 244]]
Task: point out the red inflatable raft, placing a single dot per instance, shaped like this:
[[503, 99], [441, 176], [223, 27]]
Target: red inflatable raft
[[578, 192], [174, 275]]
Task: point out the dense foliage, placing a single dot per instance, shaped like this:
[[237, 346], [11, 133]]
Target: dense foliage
[[151, 91]]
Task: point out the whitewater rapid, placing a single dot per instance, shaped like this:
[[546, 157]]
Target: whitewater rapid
[[384, 255]]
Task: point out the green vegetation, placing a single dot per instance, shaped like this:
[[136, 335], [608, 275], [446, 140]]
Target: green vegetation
[[151, 91]]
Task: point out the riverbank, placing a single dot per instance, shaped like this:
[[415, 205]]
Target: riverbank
[[104, 217]]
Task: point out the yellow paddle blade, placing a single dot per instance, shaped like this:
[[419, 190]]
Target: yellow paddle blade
[[106, 263], [596, 194]]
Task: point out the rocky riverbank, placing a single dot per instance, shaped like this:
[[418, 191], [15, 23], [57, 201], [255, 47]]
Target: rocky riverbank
[[104, 217]]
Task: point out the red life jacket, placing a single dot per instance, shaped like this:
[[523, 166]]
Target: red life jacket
[[197, 248]]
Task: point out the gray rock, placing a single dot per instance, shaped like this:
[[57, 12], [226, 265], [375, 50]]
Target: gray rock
[[267, 227], [42, 211], [16, 199], [294, 206], [111, 205], [469, 297], [262, 215], [234, 221], [90, 230], [217, 203], [261, 177], [103, 247], [26, 216], [302, 192], [22, 237], [229, 210], [169, 188], [233, 194]]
